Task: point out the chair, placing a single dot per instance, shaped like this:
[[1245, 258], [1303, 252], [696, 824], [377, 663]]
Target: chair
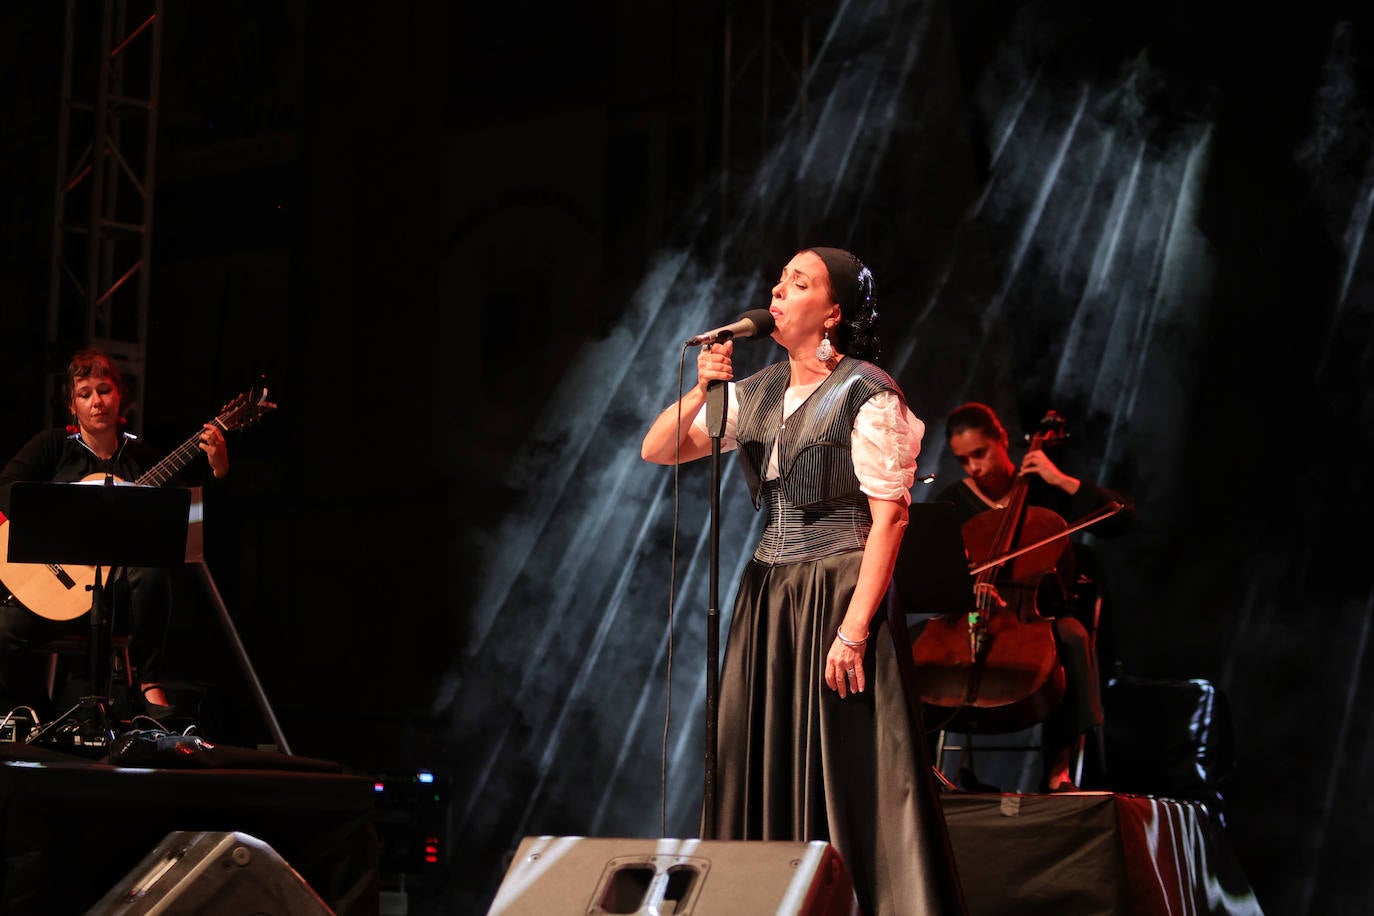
[[78, 645], [1171, 738], [1015, 727]]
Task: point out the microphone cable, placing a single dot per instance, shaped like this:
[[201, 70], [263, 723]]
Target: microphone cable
[[672, 595]]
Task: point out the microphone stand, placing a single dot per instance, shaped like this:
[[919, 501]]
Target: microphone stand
[[716, 392], [756, 322]]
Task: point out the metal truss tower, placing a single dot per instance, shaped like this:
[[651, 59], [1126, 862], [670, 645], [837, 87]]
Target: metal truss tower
[[103, 211], [765, 57]]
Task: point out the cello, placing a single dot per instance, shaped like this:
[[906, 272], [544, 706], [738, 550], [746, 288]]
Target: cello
[[997, 669]]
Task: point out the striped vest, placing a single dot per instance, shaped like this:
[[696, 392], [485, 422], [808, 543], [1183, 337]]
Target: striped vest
[[814, 459]]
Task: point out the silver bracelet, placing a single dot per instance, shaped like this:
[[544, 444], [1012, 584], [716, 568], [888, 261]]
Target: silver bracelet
[[851, 643]]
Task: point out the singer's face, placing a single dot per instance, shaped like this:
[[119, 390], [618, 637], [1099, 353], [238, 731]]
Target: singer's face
[[801, 301]]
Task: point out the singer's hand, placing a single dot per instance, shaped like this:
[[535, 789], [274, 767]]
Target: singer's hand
[[713, 363], [673, 437]]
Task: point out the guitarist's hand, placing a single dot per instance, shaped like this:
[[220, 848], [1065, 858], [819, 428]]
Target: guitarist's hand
[[216, 451]]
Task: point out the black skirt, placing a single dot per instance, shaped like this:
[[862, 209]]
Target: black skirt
[[797, 763]]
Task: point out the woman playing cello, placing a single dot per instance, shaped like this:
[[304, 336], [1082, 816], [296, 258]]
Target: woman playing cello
[[977, 438]]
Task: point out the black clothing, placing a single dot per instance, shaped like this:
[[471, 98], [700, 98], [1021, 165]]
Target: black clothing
[[60, 456], [1089, 499]]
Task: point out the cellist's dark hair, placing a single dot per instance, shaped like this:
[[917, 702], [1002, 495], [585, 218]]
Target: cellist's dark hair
[[978, 416]]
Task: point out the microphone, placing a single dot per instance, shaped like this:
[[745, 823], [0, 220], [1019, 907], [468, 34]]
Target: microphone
[[753, 323]]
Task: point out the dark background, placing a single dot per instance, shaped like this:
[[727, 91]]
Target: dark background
[[464, 244]]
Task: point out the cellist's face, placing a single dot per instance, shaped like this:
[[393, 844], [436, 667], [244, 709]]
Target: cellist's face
[[985, 459]]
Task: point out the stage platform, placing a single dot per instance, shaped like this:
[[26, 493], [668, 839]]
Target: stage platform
[[1092, 853], [72, 828]]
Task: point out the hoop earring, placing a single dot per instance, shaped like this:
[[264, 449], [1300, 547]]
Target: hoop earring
[[825, 350]]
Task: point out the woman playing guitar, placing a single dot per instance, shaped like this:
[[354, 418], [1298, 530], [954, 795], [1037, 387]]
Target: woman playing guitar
[[94, 444]]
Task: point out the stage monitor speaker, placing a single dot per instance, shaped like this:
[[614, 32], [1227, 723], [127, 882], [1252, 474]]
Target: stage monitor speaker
[[212, 874], [552, 875]]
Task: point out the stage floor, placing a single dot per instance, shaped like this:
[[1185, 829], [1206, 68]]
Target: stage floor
[[71, 829]]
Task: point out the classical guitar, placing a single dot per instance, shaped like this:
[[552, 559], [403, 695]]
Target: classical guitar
[[62, 592]]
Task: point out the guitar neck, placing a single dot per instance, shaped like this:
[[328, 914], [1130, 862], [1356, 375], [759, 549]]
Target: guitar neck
[[165, 469]]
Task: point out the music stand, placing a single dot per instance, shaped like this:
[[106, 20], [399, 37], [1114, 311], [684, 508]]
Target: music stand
[[102, 525], [932, 571]]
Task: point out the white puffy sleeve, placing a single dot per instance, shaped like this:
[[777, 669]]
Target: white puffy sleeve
[[886, 440]]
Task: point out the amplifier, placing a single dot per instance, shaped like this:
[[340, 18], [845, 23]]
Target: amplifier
[[15, 726]]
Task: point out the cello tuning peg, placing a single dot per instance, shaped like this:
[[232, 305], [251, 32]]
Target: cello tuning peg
[[1052, 427]]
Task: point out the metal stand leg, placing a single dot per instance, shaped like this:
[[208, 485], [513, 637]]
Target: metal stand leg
[[233, 634], [90, 726]]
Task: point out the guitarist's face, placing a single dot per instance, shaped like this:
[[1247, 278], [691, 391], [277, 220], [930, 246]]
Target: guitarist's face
[[95, 403]]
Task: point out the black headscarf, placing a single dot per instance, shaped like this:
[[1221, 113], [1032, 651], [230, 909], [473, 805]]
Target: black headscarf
[[854, 290]]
